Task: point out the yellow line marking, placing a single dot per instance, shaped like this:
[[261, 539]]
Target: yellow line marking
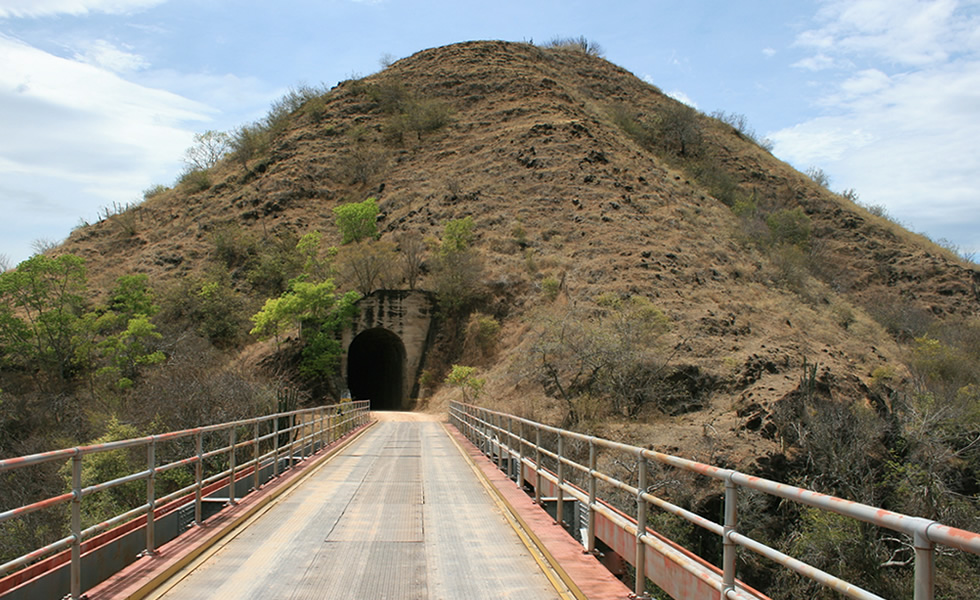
[[566, 588], [175, 573]]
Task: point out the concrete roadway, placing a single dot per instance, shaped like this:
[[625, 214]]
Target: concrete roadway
[[398, 514]]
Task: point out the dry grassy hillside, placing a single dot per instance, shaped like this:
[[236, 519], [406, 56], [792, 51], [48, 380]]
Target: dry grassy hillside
[[648, 273], [533, 153]]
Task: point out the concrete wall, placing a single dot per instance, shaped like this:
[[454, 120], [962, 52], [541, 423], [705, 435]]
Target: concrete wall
[[408, 315]]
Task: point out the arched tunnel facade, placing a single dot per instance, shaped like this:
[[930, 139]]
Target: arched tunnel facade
[[376, 368], [384, 347]]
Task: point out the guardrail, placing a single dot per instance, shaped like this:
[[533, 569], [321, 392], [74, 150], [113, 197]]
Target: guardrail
[[286, 437], [499, 434]]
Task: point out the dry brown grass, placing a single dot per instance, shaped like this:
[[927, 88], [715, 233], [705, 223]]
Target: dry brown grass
[[531, 142]]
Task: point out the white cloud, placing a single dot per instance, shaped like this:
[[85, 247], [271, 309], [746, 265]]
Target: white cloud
[[101, 53], [901, 128], [682, 97], [818, 62], [908, 32], [47, 8], [769, 52], [78, 136]]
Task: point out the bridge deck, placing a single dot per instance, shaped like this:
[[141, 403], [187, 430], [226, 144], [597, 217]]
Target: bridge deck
[[399, 514]]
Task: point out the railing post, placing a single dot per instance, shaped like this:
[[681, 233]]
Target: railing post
[[198, 477], [255, 457], [275, 446], [76, 526], [520, 455], [498, 431], [510, 445], [292, 439], [560, 508], [537, 464], [640, 585], [323, 429], [151, 466], [590, 528], [729, 547], [232, 465], [925, 567]]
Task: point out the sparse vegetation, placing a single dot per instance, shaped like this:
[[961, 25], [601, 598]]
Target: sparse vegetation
[[208, 149], [577, 44]]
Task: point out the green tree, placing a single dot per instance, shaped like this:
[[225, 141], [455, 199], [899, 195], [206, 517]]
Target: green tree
[[41, 304], [458, 269], [357, 220], [130, 349], [466, 380], [209, 148]]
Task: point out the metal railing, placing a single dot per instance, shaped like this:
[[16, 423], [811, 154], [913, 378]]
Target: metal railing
[[520, 439], [286, 437]]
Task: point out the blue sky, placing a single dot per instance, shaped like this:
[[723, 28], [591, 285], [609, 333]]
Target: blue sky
[[100, 98]]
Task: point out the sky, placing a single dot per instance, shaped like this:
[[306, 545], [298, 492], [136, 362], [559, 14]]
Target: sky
[[99, 99]]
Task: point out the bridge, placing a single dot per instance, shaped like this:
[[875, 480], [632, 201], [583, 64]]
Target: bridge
[[339, 502]]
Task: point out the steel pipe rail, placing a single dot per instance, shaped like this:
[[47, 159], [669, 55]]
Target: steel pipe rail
[[307, 431], [483, 427]]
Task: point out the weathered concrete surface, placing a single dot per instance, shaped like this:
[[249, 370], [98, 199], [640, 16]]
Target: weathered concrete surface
[[399, 515], [387, 343]]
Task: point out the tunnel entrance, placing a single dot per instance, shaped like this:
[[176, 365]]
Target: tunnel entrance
[[376, 368]]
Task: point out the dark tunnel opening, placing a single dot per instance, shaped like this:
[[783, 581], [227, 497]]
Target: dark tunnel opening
[[375, 369]]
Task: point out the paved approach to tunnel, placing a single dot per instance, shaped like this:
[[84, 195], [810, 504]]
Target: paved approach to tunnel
[[398, 514]]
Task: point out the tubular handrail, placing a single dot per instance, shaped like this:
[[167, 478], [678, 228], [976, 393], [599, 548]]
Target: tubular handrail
[[307, 431], [483, 427]]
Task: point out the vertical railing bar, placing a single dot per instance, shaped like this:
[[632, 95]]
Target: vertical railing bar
[[925, 567], [498, 430], [639, 587], [275, 446], [255, 457], [729, 547], [76, 526], [520, 455], [560, 494], [199, 477], [151, 466], [590, 528], [231, 465], [292, 440], [510, 446], [537, 464]]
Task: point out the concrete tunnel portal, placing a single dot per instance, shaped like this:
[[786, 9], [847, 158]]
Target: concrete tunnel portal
[[384, 347], [376, 369]]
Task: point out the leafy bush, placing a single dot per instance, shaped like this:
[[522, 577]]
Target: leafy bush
[[481, 333], [195, 180], [357, 220], [551, 286], [458, 269], [249, 142], [466, 380], [789, 226], [153, 191]]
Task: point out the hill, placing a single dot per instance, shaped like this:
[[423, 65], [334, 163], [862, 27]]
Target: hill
[[536, 152], [649, 272]]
